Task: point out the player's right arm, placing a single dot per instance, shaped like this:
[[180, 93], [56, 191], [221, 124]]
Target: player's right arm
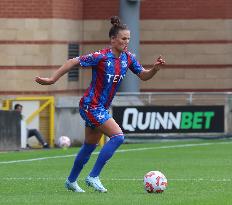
[[58, 73]]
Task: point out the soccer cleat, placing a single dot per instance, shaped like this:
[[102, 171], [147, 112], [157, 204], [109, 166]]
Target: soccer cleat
[[73, 186], [95, 183]]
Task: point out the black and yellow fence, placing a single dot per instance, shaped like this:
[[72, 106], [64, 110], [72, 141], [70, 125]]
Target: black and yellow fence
[[46, 113]]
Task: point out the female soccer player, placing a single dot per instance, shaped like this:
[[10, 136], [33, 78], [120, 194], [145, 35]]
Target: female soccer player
[[109, 67]]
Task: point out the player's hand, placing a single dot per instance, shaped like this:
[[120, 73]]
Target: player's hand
[[159, 61], [44, 81]]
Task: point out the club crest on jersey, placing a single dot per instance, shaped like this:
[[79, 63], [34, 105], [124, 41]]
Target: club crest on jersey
[[124, 64], [109, 63]]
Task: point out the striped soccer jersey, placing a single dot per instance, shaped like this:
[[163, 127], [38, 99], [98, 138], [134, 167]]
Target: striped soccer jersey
[[107, 75]]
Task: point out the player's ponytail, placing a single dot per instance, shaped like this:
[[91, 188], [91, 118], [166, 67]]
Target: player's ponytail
[[116, 26], [115, 20]]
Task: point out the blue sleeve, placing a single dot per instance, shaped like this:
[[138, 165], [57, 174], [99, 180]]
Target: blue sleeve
[[91, 59], [135, 66]]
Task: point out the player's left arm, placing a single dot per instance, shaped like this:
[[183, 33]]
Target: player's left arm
[[147, 74]]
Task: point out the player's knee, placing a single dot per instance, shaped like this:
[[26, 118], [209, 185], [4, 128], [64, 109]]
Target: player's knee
[[121, 139], [118, 139]]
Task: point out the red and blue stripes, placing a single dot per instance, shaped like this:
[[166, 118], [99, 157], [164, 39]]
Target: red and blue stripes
[[114, 85], [108, 72]]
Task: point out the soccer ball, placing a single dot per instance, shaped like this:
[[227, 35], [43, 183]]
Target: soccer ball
[[64, 142], [155, 182]]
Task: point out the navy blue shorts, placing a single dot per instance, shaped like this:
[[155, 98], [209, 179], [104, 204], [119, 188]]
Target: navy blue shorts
[[94, 117]]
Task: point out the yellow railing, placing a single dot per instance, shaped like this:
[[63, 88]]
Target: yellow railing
[[45, 102], [102, 140]]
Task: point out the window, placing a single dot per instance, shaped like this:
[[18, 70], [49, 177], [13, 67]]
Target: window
[[73, 51]]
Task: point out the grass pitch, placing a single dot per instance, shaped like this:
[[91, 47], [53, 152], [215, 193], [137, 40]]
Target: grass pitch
[[199, 172]]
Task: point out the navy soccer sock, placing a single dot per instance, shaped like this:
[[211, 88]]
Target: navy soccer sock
[[106, 153], [81, 159]]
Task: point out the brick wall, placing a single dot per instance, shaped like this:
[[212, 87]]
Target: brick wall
[[186, 9], [165, 9], [66, 9], [194, 36], [95, 9]]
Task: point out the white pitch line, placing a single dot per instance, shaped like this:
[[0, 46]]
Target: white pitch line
[[119, 151], [112, 179]]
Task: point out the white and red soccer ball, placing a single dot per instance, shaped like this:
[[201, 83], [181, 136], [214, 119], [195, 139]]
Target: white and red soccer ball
[[64, 142], [155, 182]]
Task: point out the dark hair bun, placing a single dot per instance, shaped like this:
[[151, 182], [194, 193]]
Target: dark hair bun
[[115, 20]]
